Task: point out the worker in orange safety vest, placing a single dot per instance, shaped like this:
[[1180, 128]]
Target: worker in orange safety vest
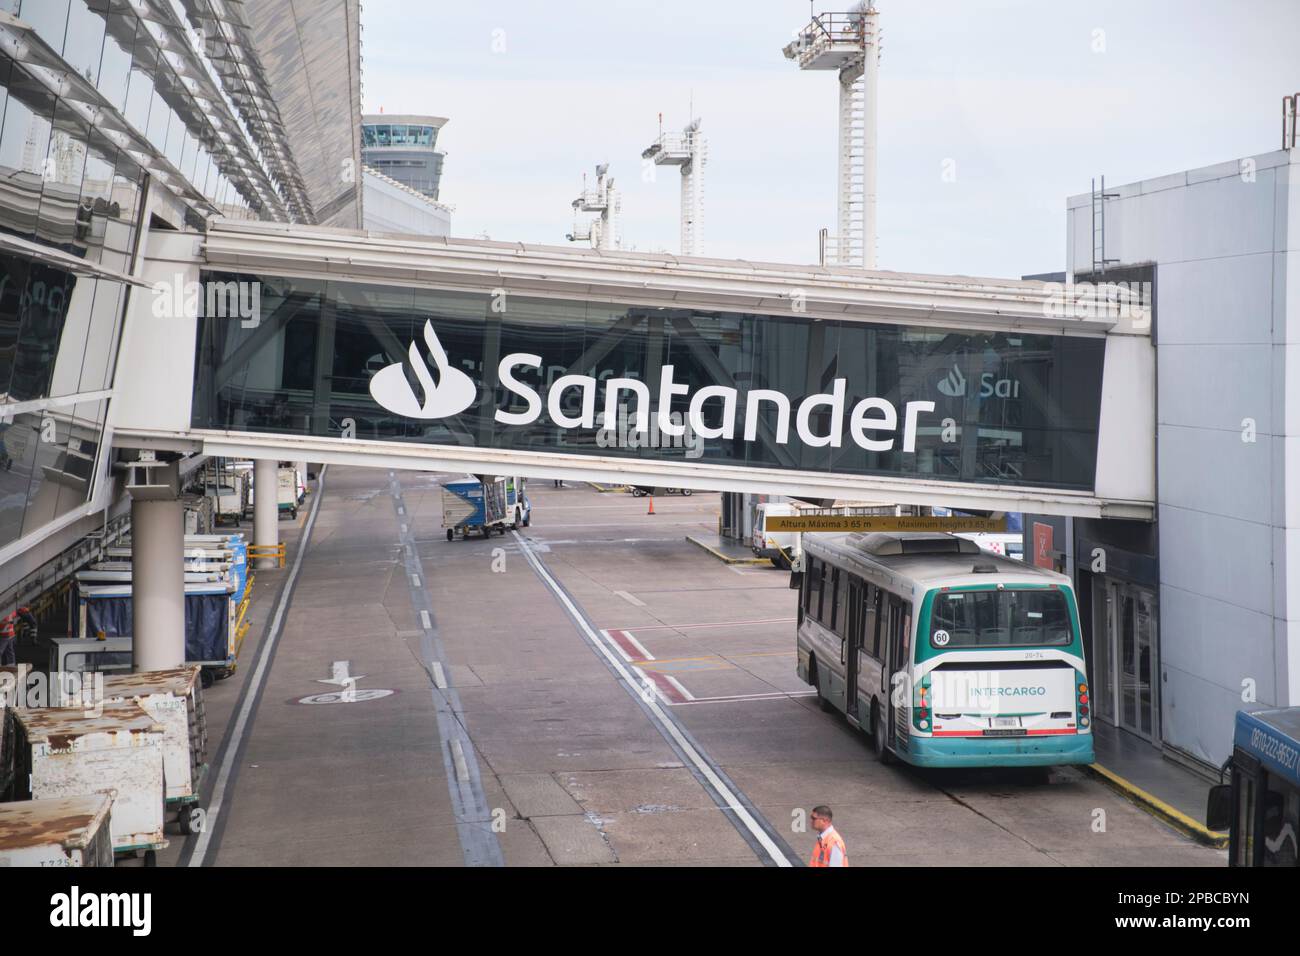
[[9, 633], [829, 849]]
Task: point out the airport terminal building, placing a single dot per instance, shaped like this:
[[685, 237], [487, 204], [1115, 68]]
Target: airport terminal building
[[121, 120], [129, 128]]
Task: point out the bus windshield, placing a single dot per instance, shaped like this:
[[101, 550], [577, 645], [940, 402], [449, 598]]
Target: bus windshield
[[1000, 618]]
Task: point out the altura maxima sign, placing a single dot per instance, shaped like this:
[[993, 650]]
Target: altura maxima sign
[[548, 376]]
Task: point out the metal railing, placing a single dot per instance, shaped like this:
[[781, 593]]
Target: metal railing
[[836, 28], [1290, 112], [256, 551]]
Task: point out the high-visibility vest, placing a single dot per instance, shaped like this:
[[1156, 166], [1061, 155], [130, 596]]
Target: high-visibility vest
[[9, 623], [821, 855]]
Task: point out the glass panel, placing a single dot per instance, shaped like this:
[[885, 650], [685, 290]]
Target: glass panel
[[138, 97], [1000, 618], [1037, 422], [18, 440], [24, 145], [160, 114], [834, 599], [1281, 823], [50, 443], [1145, 623], [115, 62], [1248, 788], [102, 336], [49, 18], [1103, 637], [869, 598], [1128, 655], [85, 38], [13, 282], [61, 220], [65, 379], [175, 147], [43, 310]]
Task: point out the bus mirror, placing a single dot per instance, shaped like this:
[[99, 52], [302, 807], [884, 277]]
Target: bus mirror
[[796, 580], [1218, 808]]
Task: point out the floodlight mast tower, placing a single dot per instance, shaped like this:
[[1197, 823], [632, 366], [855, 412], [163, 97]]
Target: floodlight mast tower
[[689, 151], [849, 43], [604, 199]]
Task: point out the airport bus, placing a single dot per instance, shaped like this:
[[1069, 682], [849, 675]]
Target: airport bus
[[946, 655], [1260, 807]]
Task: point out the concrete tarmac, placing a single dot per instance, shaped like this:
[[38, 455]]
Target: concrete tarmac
[[616, 695]]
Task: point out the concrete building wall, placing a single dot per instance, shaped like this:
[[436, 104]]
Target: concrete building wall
[[1224, 240], [392, 207]]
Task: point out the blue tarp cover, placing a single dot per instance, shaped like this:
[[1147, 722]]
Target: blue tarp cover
[[207, 622]]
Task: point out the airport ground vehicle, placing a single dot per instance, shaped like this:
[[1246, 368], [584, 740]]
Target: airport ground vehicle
[[229, 497], [290, 490], [640, 491], [947, 656], [483, 504], [1260, 806]]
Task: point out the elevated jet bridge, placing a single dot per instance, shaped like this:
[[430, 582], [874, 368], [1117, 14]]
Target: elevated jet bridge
[[306, 343]]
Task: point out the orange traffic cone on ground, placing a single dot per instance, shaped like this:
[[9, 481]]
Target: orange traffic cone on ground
[[652, 505]]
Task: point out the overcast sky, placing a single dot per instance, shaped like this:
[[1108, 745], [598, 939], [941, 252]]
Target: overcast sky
[[1030, 98]]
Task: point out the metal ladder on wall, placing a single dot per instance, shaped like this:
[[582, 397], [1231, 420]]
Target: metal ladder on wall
[[1099, 197], [850, 246]]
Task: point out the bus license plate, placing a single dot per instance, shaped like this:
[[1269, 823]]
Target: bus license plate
[[1005, 723]]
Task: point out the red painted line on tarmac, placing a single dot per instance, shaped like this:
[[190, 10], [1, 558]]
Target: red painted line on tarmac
[[666, 687], [682, 627], [631, 650]]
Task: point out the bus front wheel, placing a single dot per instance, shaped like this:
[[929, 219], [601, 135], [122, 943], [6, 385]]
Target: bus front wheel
[[878, 738], [815, 679]]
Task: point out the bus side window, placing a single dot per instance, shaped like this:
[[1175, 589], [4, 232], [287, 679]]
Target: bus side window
[[906, 659], [823, 579], [871, 604], [835, 599], [816, 569]]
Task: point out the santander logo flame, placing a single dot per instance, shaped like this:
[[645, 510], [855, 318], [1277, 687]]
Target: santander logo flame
[[454, 392]]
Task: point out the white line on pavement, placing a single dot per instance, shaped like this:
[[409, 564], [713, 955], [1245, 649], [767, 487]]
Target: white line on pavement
[[631, 599], [645, 655], [425, 621], [678, 684], [666, 724], [255, 682]]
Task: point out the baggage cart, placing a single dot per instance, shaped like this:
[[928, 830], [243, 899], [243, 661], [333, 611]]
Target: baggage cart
[[63, 753], [13, 680], [174, 699], [62, 831]]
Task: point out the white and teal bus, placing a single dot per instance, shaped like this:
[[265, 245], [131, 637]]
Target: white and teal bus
[[948, 656]]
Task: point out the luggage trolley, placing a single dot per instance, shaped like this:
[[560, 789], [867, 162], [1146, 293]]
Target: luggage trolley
[[174, 698], [62, 831], [62, 752]]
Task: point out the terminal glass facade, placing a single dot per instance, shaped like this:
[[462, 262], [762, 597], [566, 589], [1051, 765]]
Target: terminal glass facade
[[398, 134], [1012, 409], [68, 190]]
